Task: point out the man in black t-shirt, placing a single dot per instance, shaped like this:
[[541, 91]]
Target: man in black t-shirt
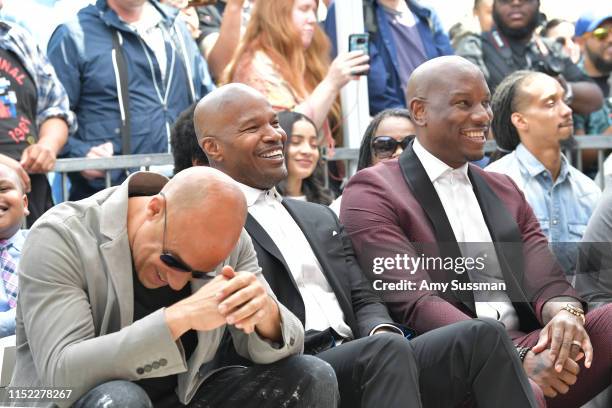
[[34, 115], [512, 45]]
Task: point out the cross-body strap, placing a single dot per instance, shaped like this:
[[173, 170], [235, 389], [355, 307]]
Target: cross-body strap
[[122, 91]]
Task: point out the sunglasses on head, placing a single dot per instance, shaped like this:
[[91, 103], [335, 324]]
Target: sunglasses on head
[[601, 33], [170, 260], [384, 146]]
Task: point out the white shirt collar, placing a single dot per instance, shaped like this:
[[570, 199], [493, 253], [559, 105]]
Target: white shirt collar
[[433, 166], [254, 195]]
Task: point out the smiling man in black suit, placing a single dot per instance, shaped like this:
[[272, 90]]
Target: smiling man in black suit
[[309, 263]]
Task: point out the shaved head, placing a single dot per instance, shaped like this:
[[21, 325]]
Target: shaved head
[[449, 103], [435, 74], [210, 117], [197, 218], [9, 173], [238, 130]]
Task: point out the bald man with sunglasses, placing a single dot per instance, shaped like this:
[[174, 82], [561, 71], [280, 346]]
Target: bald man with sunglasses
[[126, 296]]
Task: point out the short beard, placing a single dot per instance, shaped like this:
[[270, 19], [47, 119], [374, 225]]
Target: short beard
[[570, 143], [516, 33], [599, 63]]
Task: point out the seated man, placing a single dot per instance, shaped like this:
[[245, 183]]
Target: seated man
[[309, 263], [531, 120], [13, 208], [431, 199], [118, 303]]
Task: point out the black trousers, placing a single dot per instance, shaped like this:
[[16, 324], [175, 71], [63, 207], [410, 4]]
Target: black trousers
[[297, 381], [39, 199], [471, 360]]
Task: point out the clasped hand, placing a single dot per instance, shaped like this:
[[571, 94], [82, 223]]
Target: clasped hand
[[553, 361]]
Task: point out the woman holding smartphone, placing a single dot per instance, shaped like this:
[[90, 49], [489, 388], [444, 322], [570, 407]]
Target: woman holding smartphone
[[284, 54]]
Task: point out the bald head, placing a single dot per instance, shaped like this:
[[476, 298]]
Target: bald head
[[438, 74], [205, 190], [449, 103], [217, 110], [238, 130], [8, 173]]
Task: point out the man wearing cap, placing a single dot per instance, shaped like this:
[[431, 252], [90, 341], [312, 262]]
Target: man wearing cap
[[594, 35]]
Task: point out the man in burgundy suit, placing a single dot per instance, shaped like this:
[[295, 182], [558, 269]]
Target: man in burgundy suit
[[404, 215]]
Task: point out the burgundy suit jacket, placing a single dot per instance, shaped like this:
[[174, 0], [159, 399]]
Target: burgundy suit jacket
[[392, 208]]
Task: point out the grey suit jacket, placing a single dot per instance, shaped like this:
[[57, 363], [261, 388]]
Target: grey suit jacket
[[75, 310]]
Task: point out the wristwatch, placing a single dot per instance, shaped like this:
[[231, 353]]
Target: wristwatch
[[576, 311]]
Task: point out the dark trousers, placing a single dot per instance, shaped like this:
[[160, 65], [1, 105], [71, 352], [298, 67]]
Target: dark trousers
[[591, 381], [297, 381], [39, 199], [443, 368]]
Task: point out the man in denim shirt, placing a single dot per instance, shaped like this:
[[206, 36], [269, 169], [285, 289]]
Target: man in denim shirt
[[13, 208], [530, 120]]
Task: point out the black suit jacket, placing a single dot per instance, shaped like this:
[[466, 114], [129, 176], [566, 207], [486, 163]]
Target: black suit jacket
[[363, 309]]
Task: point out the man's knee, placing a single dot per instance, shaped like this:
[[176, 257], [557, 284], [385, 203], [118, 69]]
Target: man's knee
[[312, 368], [115, 394], [486, 331], [316, 379]]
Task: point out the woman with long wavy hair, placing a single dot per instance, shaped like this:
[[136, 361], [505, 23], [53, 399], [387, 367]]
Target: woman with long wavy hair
[[303, 159], [285, 55]]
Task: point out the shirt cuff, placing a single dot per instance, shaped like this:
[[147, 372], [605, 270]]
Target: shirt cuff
[[389, 326]]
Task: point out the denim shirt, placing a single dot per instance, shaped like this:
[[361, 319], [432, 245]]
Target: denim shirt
[[563, 206], [7, 315]]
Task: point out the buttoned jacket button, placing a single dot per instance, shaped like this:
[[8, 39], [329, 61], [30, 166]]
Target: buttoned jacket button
[[155, 365], [291, 341], [140, 371], [163, 362], [148, 368]]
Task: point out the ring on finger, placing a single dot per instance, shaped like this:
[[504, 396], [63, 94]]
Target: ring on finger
[[576, 343]]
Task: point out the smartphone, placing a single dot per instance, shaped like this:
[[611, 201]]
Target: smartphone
[[360, 42]]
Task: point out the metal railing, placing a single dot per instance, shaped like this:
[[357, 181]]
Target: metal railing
[[146, 161]]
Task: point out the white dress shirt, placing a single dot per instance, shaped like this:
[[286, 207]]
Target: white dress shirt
[[465, 216], [320, 303]]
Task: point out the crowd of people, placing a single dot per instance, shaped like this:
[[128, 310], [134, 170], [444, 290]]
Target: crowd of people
[[256, 273]]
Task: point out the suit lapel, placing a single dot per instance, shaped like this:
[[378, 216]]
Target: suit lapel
[[260, 235], [287, 291], [425, 194], [505, 235]]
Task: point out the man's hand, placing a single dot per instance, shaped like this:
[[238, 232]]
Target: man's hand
[[102, 150], [246, 304], [198, 311], [16, 166], [560, 334], [38, 158], [541, 369]]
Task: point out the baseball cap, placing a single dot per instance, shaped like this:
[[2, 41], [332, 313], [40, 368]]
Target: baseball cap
[[591, 19]]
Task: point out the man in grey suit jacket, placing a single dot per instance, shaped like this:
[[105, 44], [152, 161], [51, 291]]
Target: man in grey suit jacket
[[105, 308]]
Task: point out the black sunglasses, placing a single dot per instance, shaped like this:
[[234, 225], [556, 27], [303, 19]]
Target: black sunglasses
[[384, 146], [172, 261]]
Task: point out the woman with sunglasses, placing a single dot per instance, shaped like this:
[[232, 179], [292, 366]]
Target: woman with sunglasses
[[385, 138], [302, 156]]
